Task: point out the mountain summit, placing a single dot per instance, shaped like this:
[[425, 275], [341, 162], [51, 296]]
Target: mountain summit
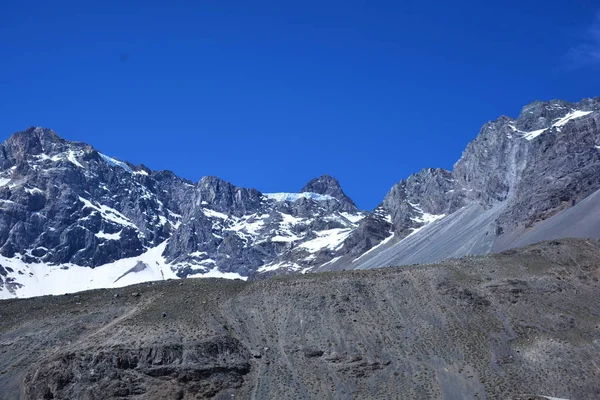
[[328, 185], [72, 218]]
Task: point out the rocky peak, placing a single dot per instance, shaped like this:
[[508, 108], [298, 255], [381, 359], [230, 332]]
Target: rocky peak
[[32, 141], [492, 163], [542, 115], [539, 114], [328, 185], [427, 194], [35, 139], [39, 143], [222, 196], [589, 104]]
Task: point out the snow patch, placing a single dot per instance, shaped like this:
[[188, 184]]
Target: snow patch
[[33, 190], [354, 218], [284, 233], [2, 201], [381, 213], [285, 239], [71, 157], [108, 213], [574, 114], [109, 236], [533, 134], [323, 265], [425, 218], [214, 214], [292, 197], [279, 265], [113, 162], [39, 279], [331, 239], [250, 225], [216, 273]]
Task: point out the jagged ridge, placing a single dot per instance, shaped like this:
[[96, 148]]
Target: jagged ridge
[[65, 204]]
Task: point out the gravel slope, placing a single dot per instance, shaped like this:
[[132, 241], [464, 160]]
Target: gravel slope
[[521, 323]]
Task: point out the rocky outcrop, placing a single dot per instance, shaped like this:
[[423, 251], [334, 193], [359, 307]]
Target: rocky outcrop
[[328, 185], [429, 192], [515, 174], [562, 168], [221, 196], [65, 202], [536, 164], [204, 369]]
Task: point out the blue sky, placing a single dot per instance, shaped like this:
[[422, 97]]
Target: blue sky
[[272, 94]]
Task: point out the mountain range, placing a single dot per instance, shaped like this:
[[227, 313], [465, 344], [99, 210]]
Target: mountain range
[[72, 218]]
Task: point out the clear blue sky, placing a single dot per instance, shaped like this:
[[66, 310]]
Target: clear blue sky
[[269, 94]]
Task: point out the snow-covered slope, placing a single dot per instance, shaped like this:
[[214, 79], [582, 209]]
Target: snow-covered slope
[[26, 279]]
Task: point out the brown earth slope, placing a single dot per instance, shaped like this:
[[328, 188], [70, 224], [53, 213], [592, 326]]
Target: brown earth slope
[[521, 323]]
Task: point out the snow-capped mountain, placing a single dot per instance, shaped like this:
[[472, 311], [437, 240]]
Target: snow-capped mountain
[[72, 218]]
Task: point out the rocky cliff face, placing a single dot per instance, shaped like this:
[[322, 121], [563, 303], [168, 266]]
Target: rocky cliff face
[[422, 198], [537, 163], [329, 186], [66, 205], [515, 174], [64, 202]]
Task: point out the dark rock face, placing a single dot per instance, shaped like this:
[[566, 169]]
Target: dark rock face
[[562, 168], [490, 165], [63, 202], [223, 197], [534, 172], [431, 191], [371, 231], [194, 370], [250, 230], [330, 186], [539, 114]]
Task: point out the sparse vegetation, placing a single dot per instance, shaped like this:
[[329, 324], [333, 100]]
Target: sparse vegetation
[[443, 331]]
